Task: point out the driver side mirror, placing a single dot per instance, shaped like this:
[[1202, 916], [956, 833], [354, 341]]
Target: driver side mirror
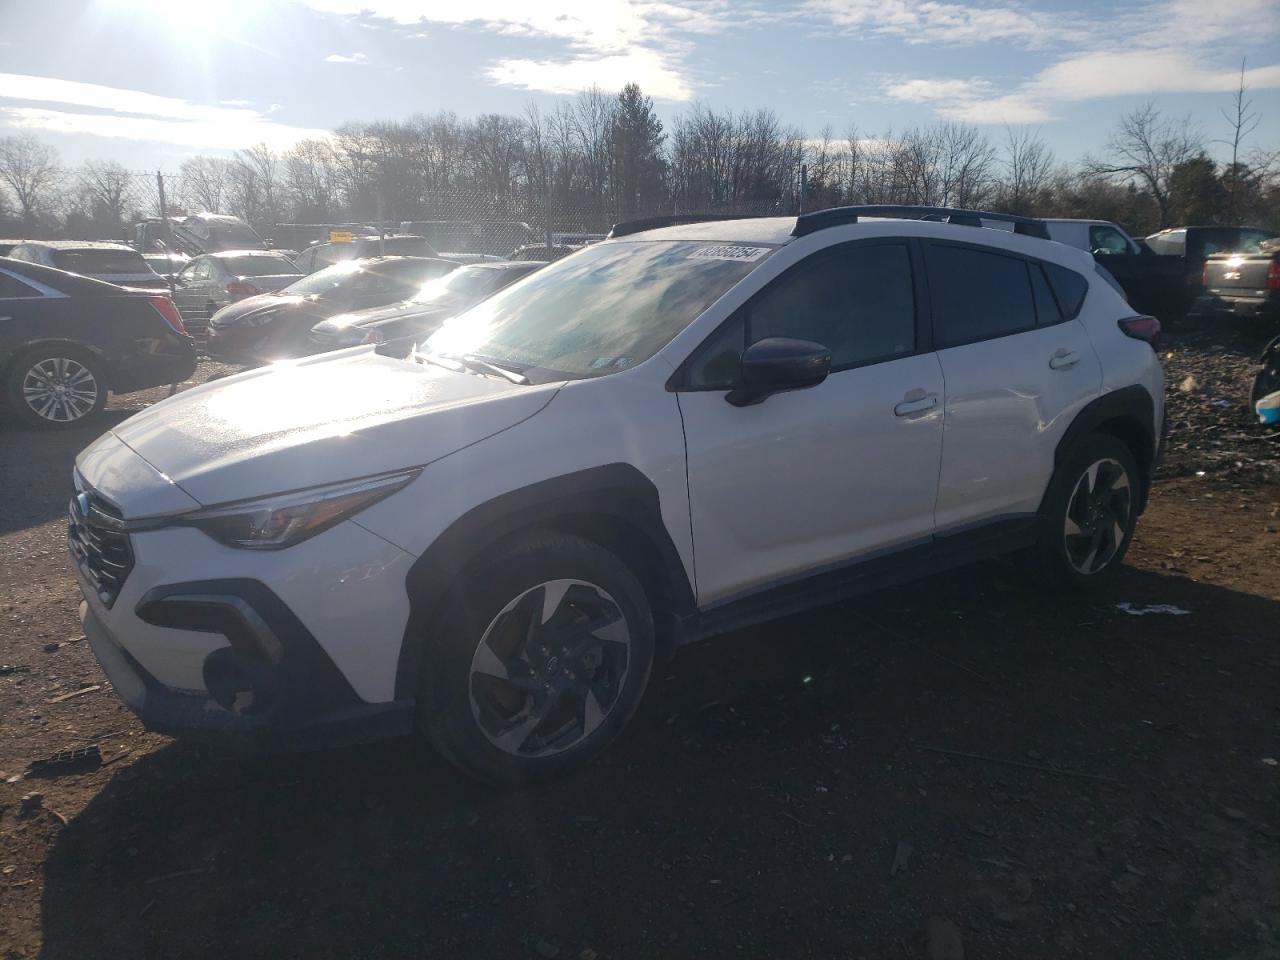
[[777, 365]]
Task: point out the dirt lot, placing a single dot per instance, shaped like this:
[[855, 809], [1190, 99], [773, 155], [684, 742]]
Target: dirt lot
[[1034, 775]]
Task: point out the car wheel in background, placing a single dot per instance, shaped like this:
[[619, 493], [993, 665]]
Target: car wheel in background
[[56, 387], [1089, 513], [540, 661]]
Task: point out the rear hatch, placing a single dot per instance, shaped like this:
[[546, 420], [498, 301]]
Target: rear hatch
[[1239, 275]]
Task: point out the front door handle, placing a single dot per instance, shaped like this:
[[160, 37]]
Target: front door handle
[[916, 401], [1064, 360]]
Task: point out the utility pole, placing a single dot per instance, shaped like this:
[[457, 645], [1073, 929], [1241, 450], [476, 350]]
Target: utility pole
[[164, 213], [804, 183]]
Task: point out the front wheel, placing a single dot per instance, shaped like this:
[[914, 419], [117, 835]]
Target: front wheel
[[539, 662], [1089, 514], [56, 387]]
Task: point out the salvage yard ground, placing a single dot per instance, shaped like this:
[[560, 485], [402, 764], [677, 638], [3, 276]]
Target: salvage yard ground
[[967, 759]]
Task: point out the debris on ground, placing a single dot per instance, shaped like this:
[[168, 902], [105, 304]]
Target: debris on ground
[[901, 858], [547, 949], [66, 761], [30, 803], [7, 669], [943, 940], [1136, 611], [75, 693]]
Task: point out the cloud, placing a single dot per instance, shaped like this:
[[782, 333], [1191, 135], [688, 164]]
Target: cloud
[[1163, 46], [607, 42], [67, 106], [932, 22], [357, 58]]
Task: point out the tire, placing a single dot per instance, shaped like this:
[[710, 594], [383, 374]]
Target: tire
[[1089, 514], [512, 701], [57, 387]]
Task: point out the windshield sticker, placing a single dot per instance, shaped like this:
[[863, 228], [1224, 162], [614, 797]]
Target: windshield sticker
[[729, 251]]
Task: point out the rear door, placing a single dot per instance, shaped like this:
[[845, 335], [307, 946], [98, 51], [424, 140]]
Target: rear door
[[818, 476], [1017, 367]]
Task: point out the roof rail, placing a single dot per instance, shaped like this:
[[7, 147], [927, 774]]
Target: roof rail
[[628, 227], [808, 223]]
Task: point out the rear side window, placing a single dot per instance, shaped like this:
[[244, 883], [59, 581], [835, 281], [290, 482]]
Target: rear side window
[[1069, 287], [977, 295]]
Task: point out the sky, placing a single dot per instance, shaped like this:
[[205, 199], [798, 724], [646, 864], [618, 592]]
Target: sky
[[151, 82]]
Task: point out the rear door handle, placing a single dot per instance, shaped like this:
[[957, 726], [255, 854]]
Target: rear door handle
[[1064, 360], [916, 401]]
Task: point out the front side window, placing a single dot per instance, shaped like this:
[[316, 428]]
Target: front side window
[[856, 300], [977, 295], [604, 309], [1107, 241]]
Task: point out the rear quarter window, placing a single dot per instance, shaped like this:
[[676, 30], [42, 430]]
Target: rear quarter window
[[1069, 288]]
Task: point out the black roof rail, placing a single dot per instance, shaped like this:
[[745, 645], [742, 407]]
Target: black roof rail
[[808, 223], [628, 227]]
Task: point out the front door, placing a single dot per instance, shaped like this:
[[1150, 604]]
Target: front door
[[815, 477]]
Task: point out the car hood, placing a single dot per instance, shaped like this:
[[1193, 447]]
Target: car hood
[[323, 420], [264, 306]]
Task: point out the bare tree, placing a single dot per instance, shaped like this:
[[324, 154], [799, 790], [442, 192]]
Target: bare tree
[[1146, 147], [255, 175], [204, 182], [1242, 120], [107, 185], [32, 172], [1028, 165]]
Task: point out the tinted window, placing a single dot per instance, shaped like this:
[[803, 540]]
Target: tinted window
[[1228, 240], [977, 295], [1046, 307], [259, 266], [1107, 240], [13, 287], [1069, 288], [857, 301], [100, 260]]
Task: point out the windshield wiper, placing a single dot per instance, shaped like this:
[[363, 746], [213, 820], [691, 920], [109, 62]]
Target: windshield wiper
[[515, 376]]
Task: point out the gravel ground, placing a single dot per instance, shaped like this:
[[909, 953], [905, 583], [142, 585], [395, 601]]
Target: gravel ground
[[967, 761]]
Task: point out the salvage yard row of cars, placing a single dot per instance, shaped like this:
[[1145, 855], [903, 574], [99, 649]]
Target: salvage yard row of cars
[[255, 306]]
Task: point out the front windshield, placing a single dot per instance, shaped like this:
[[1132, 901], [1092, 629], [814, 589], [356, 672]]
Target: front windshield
[[604, 309], [324, 282], [465, 283]]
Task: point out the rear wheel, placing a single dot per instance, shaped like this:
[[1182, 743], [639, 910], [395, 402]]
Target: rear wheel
[[1090, 513], [56, 387], [540, 661]]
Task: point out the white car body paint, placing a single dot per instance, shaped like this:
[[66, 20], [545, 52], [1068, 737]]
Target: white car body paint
[[748, 496]]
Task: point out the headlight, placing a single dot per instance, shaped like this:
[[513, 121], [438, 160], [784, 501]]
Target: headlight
[[279, 521]]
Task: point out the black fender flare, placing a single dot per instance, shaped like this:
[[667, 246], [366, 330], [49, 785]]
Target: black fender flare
[[1132, 406], [613, 496]]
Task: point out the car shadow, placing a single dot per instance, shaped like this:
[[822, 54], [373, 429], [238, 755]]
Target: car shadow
[[757, 806]]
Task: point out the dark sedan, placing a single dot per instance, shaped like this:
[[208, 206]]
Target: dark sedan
[[396, 328], [275, 326], [67, 340]]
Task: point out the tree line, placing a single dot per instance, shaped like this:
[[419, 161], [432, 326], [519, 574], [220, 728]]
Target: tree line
[[598, 158]]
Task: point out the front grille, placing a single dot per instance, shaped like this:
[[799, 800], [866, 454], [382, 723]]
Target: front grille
[[99, 549]]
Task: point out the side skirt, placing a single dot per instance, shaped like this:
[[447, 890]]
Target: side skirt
[[943, 552]]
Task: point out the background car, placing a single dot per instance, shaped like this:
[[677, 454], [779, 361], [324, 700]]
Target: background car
[[326, 254], [101, 260], [541, 252], [66, 340], [275, 325], [399, 326], [212, 280], [167, 265], [7, 245]]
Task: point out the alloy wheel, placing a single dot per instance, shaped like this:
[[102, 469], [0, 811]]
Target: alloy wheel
[[60, 389], [1098, 515], [550, 667]]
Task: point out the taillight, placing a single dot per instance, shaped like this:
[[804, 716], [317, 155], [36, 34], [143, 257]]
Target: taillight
[[1273, 275], [242, 288], [1142, 328], [164, 306]]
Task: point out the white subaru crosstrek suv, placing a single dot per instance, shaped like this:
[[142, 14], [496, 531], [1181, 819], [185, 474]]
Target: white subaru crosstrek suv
[[670, 434]]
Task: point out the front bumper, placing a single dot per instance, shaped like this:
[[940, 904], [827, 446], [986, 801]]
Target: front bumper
[[298, 701]]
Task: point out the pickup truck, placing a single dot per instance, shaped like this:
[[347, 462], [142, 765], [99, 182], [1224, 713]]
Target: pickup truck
[[1243, 284], [1153, 284]]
